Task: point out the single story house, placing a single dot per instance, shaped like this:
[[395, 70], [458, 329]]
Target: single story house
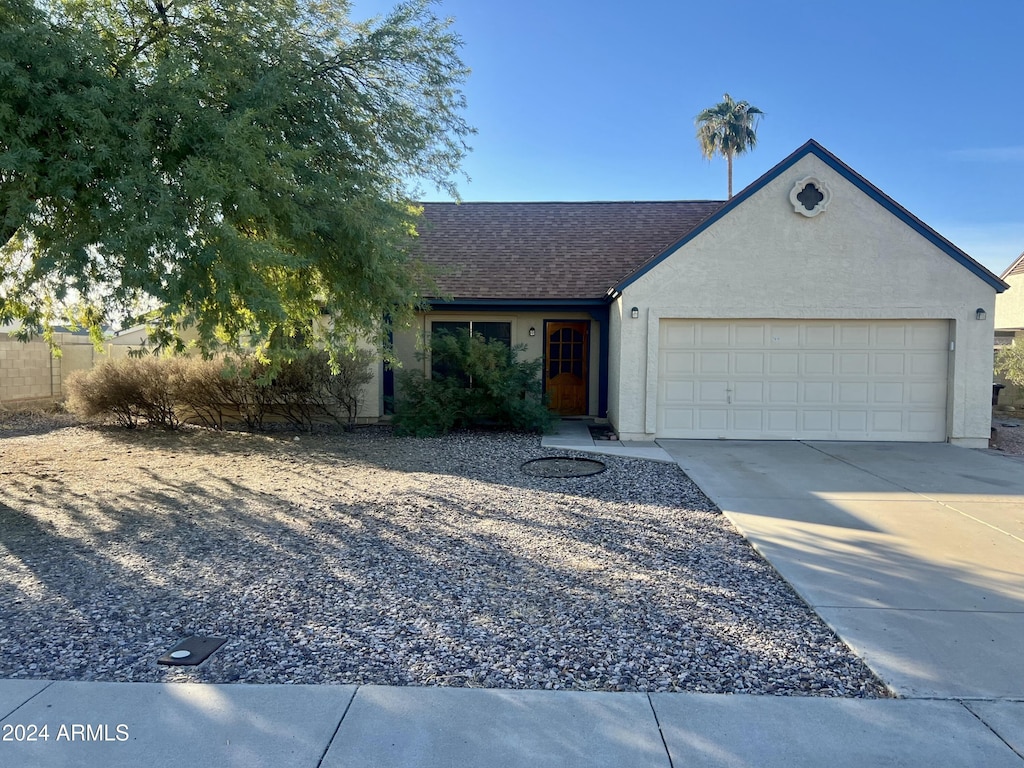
[[809, 306]]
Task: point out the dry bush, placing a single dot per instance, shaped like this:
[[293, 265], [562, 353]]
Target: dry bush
[[164, 391], [198, 386], [110, 390]]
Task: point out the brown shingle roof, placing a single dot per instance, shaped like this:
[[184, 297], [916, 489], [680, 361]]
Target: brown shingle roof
[[548, 250]]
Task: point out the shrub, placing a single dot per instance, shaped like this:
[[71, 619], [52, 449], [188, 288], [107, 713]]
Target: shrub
[[349, 374], [312, 387], [165, 391], [475, 383], [198, 387], [126, 390], [1010, 363]]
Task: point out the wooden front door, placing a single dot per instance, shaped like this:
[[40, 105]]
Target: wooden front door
[[567, 372]]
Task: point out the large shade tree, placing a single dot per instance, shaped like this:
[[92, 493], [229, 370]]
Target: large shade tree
[[728, 129], [241, 169]]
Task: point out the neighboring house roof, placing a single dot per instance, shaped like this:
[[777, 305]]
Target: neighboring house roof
[[814, 148], [548, 251], [1016, 268]]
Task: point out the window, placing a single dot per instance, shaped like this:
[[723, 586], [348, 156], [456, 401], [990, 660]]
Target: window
[[565, 353], [489, 330]]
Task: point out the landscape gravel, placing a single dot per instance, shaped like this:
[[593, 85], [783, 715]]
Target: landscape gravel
[[369, 558]]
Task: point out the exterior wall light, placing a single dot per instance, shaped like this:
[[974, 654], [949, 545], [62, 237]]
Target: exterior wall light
[[533, 331], [634, 313], [980, 314]]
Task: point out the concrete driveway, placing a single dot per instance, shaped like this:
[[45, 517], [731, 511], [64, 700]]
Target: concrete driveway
[[913, 553]]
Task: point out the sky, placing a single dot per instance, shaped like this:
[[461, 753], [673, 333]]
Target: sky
[[595, 100]]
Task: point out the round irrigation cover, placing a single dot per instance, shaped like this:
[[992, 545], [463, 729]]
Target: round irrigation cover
[[560, 466]]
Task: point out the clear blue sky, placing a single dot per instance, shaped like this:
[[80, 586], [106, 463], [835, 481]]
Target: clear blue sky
[[595, 100]]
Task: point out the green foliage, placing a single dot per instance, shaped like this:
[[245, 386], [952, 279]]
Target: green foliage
[[166, 391], [483, 384], [1010, 364], [728, 129], [235, 168]]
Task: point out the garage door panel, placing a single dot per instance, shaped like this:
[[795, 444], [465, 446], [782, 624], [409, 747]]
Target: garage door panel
[[929, 335], [713, 362], [678, 334], [713, 418], [819, 363], [887, 421], [928, 364], [852, 392], [890, 364], [748, 421], [818, 379], [751, 335], [678, 391], [888, 392], [854, 335], [925, 422], [784, 363], [853, 364], [678, 419], [922, 393], [818, 392], [679, 362], [820, 422], [713, 335], [748, 392], [820, 336], [891, 336], [783, 392], [785, 335], [712, 391], [783, 422], [749, 362], [852, 421]]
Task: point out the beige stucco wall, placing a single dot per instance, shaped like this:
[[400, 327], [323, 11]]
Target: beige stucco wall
[[1010, 305], [763, 260], [30, 374], [408, 343]]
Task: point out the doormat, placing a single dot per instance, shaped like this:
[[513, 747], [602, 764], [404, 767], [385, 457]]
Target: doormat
[[602, 432]]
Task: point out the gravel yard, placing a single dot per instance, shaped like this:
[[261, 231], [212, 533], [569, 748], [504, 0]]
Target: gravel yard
[[366, 558]]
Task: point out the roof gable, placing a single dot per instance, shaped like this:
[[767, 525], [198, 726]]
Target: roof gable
[[1016, 268], [547, 251], [814, 148]]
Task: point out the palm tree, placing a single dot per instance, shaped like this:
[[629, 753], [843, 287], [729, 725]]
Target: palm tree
[[728, 128]]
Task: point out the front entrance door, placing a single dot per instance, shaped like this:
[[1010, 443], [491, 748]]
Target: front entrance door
[[565, 379]]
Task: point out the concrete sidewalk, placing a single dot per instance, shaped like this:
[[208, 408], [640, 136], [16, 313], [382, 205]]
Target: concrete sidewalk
[[913, 553], [574, 435], [171, 725]]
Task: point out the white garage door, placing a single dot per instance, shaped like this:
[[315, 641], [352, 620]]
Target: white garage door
[[795, 379]]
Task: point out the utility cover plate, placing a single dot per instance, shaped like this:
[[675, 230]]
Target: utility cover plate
[[191, 651], [560, 466]]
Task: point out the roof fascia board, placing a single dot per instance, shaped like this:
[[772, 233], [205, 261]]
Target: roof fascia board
[[811, 147], [516, 305]]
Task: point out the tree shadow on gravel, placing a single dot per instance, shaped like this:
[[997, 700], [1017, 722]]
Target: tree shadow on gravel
[[367, 559]]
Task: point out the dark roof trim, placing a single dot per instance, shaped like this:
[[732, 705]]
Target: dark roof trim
[[814, 148], [517, 305]]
